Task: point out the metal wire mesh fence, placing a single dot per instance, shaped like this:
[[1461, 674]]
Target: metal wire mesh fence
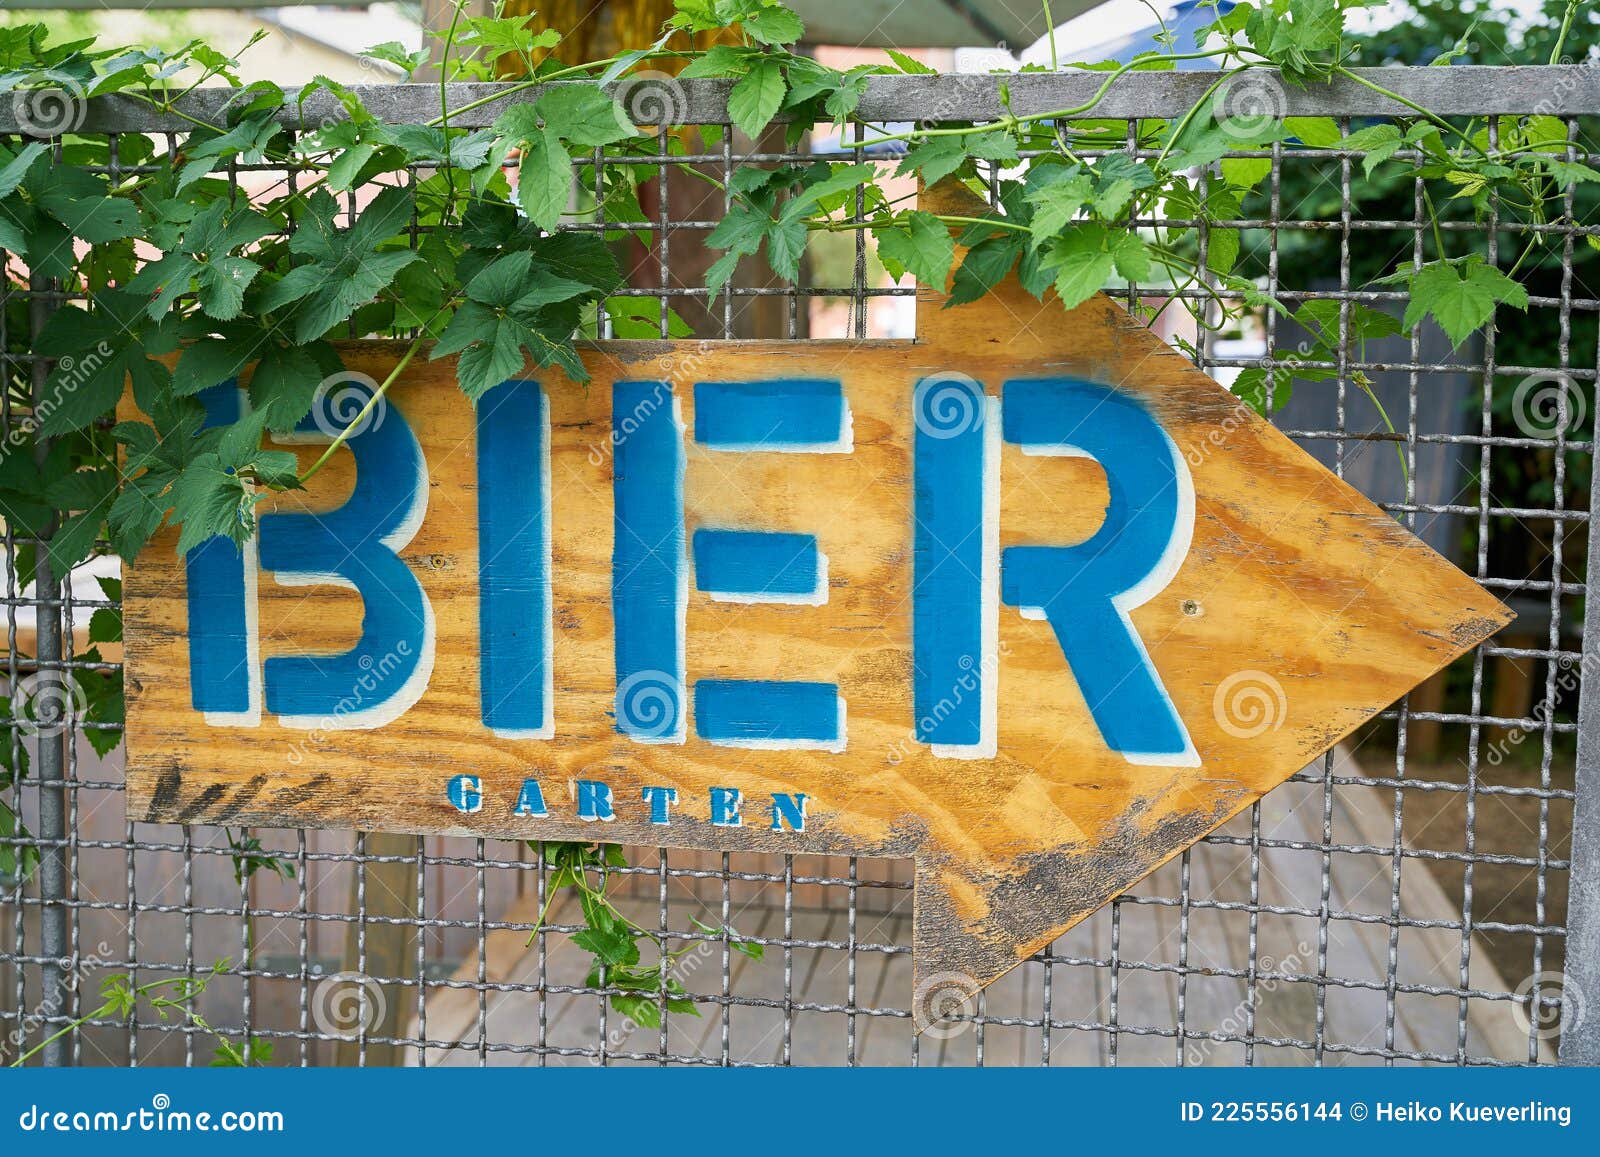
[[1403, 900]]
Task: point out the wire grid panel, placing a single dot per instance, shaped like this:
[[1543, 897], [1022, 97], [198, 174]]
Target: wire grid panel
[[1401, 901]]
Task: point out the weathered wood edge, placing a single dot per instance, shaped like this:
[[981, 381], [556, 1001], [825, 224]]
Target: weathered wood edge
[[940, 937]]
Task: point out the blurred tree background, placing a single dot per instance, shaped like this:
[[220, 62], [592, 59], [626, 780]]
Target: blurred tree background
[[1495, 34], [1518, 477]]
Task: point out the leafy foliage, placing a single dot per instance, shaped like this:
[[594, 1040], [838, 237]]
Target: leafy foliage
[[419, 231], [174, 998], [637, 990], [249, 857], [1383, 187]]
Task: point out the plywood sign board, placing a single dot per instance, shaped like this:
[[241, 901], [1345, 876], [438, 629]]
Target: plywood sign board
[[1029, 599]]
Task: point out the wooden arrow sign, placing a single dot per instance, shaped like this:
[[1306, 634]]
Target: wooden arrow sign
[[1030, 600]]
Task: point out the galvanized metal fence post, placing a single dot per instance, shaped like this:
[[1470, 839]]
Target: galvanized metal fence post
[[1580, 996], [51, 723]]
